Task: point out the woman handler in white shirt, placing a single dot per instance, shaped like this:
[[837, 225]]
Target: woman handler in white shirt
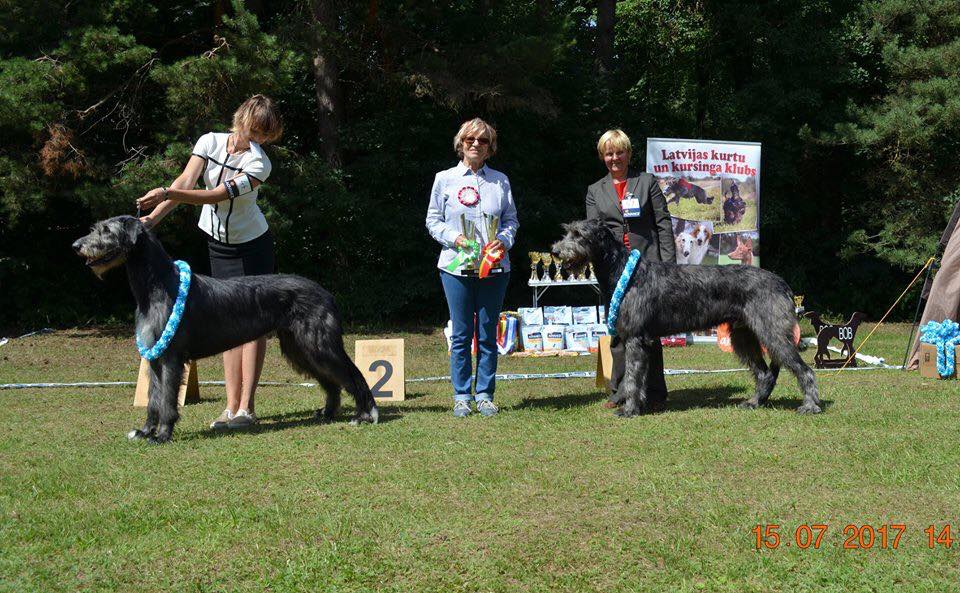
[[232, 166]]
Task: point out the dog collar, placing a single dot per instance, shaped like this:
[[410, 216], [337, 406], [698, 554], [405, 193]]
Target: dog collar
[[175, 315], [621, 290]]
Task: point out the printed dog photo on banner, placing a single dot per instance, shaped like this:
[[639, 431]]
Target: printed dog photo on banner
[[693, 240], [739, 248], [739, 204], [693, 198]]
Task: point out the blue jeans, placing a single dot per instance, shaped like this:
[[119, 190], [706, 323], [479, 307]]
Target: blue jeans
[[468, 296]]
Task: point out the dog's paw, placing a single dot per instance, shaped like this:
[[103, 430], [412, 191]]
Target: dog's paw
[[748, 405], [158, 439], [371, 417], [322, 417], [628, 410], [136, 435], [809, 409]]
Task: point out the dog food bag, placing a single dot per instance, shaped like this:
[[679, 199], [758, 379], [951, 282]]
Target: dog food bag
[[532, 337], [577, 337], [553, 338], [602, 314], [560, 315], [531, 315], [584, 315], [597, 330]]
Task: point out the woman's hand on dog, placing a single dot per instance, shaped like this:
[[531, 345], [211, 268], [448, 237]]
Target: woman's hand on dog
[[152, 198]]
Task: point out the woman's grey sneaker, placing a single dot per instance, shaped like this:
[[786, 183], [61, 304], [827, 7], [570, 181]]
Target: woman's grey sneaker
[[242, 419], [487, 408], [222, 420], [461, 409]]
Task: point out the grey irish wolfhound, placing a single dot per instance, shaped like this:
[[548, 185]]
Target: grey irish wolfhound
[[666, 298], [220, 315]]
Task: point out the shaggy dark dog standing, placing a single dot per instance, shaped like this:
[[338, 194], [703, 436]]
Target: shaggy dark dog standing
[[665, 298], [220, 315]]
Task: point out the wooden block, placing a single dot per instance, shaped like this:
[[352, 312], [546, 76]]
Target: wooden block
[[604, 362], [381, 363], [189, 392]]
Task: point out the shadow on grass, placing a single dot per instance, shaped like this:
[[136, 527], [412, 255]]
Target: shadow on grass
[[679, 400], [561, 402], [286, 421], [714, 397]]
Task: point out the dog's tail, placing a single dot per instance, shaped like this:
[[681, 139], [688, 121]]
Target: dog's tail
[[362, 394]]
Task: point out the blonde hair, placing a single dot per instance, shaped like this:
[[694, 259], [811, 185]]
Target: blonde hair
[[258, 113], [472, 127], [617, 140]]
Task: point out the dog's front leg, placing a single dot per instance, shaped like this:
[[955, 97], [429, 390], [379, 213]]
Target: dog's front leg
[[166, 399], [634, 384], [153, 409]]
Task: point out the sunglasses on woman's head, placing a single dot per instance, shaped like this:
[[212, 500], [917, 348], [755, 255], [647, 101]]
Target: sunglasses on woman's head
[[475, 140]]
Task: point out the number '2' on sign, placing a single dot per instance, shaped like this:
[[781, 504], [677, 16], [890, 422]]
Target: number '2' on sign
[[381, 363]]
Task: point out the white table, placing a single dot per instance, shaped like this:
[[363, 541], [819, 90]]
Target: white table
[[541, 286]]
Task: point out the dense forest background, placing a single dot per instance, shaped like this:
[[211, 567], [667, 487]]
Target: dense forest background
[[857, 104]]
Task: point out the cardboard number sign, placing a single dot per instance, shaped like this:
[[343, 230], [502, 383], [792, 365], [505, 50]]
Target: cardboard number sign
[[381, 362]]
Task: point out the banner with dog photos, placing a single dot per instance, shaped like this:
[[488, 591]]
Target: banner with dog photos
[[713, 195]]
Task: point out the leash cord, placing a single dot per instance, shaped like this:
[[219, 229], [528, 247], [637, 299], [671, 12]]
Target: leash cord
[[882, 319]]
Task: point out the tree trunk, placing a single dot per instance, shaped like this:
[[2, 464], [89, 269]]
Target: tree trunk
[[326, 78], [606, 18]]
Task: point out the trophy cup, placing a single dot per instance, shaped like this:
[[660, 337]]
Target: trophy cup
[[593, 273], [558, 277], [546, 257], [470, 232], [582, 273], [534, 262]]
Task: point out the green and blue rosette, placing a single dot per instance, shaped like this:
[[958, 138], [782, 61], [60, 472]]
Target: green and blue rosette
[[468, 254]]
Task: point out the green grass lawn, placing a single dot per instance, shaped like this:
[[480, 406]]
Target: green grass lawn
[[554, 494]]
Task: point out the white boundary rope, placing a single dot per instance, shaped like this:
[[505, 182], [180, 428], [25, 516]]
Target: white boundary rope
[[438, 378]]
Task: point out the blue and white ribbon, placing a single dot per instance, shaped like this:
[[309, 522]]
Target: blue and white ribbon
[[175, 315], [621, 290], [945, 336]]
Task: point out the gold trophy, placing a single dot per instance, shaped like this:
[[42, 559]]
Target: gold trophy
[[593, 273], [582, 273], [534, 262], [558, 277], [546, 257]]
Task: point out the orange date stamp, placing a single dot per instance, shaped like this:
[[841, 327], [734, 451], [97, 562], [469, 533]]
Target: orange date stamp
[[884, 536]]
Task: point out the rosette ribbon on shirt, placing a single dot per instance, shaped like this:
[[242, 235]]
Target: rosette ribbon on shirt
[[945, 336], [490, 257], [466, 254]]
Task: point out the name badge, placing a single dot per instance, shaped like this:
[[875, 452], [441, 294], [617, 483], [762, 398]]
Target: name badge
[[631, 206]]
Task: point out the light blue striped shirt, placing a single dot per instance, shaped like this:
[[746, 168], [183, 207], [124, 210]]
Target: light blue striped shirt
[[496, 199]]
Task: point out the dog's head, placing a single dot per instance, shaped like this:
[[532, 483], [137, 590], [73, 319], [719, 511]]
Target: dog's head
[[701, 234], [109, 243], [684, 247], [582, 241]]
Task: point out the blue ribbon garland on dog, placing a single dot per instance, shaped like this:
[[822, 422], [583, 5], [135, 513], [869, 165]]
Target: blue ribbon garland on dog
[[945, 336], [176, 314], [621, 290]]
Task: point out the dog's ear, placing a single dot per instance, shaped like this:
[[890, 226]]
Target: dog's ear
[[132, 229]]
